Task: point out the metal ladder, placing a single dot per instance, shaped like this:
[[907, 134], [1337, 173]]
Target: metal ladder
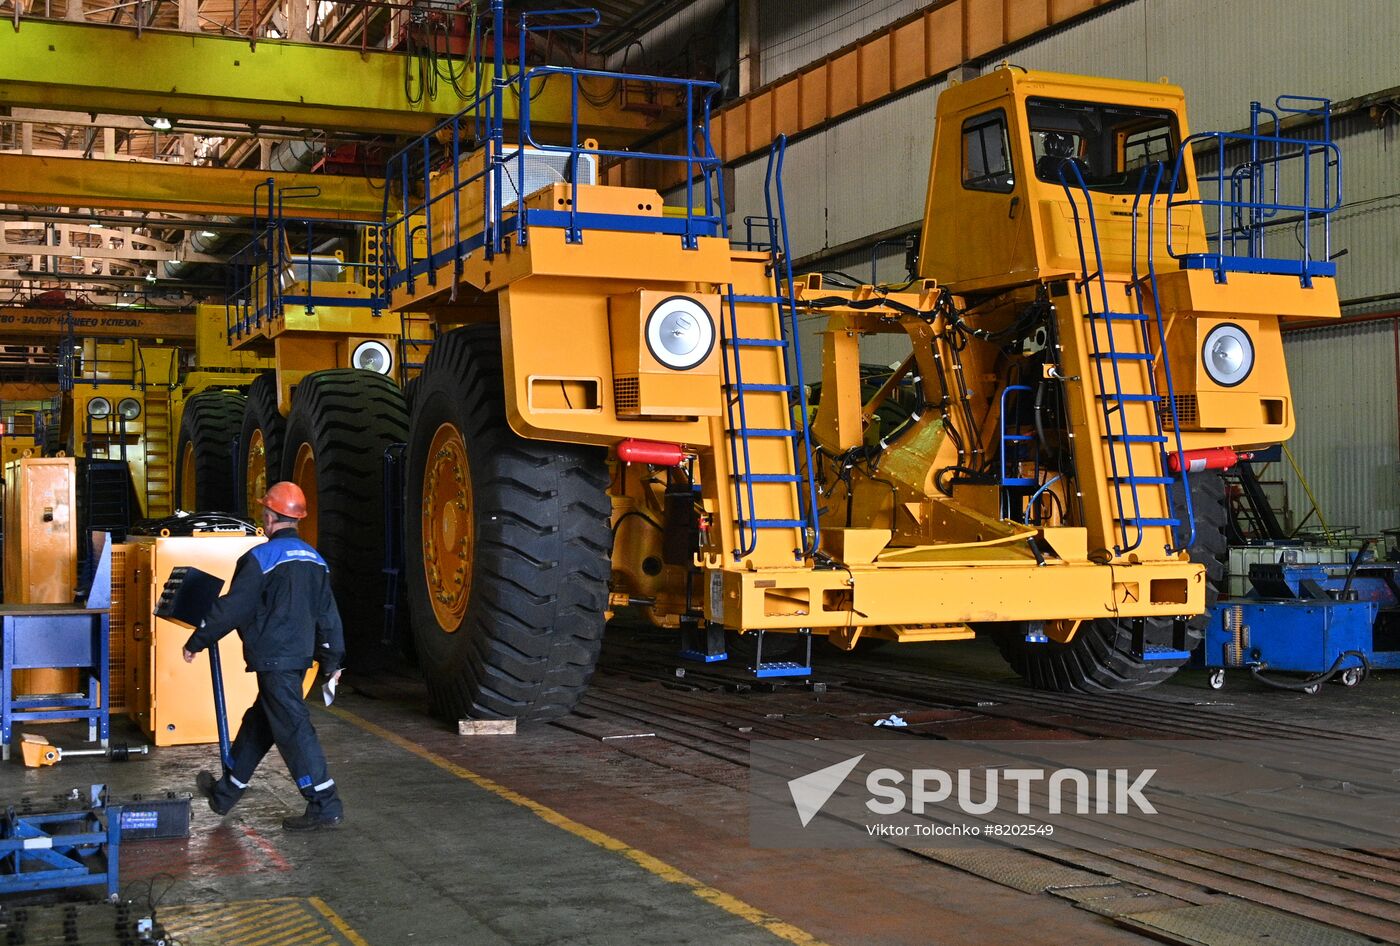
[[749, 520], [158, 447], [1131, 475]]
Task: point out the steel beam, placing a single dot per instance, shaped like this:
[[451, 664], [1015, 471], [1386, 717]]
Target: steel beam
[[175, 188], [90, 67]]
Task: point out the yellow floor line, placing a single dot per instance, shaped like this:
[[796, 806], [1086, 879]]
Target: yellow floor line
[[653, 865], [341, 926], [293, 921]]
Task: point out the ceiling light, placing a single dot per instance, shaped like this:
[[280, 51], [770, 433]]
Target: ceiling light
[[150, 277], [159, 123]]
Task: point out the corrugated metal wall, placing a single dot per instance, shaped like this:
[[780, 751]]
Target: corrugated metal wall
[[862, 176], [1348, 440], [1225, 54], [793, 34]]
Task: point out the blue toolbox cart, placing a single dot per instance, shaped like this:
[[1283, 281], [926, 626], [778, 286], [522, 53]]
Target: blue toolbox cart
[[1327, 621], [37, 636]]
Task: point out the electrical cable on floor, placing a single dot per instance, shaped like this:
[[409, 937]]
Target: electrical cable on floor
[[1310, 684]]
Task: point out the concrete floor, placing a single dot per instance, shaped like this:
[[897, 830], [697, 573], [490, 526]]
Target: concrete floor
[[543, 838]]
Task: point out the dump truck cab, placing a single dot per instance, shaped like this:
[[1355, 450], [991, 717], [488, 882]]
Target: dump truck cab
[[997, 213], [1040, 177]]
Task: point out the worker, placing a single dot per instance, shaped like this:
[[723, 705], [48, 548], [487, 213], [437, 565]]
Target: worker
[[1059, 148], [281, 603]]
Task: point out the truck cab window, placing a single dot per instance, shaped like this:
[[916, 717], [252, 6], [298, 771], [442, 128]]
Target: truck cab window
[[1110, 145], [986, 154]]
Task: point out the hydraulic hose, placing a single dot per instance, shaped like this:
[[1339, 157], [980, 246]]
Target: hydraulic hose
[[1308, 684]]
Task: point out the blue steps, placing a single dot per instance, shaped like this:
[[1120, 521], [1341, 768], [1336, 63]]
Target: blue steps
[[1146, 347], [768, 669], [1124, 355], [1136, 438], [748, 519], [760, 388], [755, 342], [1147, 521]]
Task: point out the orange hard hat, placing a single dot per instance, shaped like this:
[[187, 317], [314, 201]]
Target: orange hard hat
[[286, 499]]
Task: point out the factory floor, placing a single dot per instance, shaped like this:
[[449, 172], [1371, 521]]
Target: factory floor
[[576, 834]]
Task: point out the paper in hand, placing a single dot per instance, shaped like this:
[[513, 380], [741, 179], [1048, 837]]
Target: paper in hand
[[328, 690]]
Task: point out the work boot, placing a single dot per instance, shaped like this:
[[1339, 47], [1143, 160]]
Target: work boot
[[221, 794], [316, 817]]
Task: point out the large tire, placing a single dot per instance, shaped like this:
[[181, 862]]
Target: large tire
[[341, 421], [1100, 658], [204, 480], [509, 585], [260, 443]]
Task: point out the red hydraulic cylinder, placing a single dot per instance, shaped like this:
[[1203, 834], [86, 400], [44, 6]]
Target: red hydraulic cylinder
[[650, 451]]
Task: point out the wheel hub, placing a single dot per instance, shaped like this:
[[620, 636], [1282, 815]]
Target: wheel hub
[[448, 534], [304, 475], [255, 473], [188, 495]]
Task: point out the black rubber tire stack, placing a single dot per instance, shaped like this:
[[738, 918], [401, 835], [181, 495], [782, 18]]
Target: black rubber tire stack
[[209, 423], [533, 626], [261, 413], [1100, 657], [348, 416]]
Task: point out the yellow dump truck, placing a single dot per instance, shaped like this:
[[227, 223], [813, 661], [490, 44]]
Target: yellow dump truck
[[612, 413]]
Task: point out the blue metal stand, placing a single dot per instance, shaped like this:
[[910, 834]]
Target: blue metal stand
[[49, 850], [46, 636], [766, 669]]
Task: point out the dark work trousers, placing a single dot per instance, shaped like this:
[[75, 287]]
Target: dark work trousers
[[279, 717]]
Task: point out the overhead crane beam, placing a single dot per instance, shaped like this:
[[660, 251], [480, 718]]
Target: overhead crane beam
[[91, 67], [176, 188]]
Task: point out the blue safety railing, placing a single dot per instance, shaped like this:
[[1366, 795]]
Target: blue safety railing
[[265, 276], [759, 233], [1110, 362], [1262, 180], [438, 212]]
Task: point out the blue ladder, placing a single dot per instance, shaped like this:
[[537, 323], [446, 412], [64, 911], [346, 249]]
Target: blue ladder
[[1111, 363], [748, 518], [1016, 448]]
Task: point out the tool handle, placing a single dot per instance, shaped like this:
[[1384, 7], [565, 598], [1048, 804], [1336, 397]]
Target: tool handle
[[216, 671]]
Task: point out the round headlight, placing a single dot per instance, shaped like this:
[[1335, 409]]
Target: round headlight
[[1228, 354], [99, 407], [680, 333], [372, 356], [129, 408]]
